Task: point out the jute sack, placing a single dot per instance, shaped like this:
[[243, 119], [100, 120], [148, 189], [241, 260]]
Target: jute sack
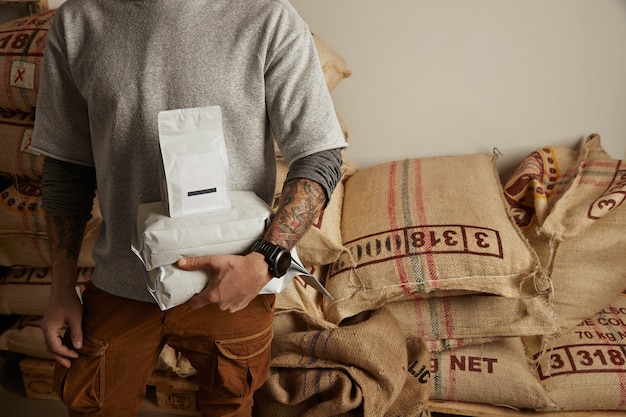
[[173, 361], [23, 230], [23, 42], [25, 337], [597, 187], [473, 318], [580, 241], [333, 65], [25, 291], [358, 369], [16, 158], [495, 373], [429, 227], [585, 369], [298, 303]]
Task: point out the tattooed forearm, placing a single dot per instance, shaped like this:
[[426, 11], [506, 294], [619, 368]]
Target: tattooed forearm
[[301, 202], [66, 234]]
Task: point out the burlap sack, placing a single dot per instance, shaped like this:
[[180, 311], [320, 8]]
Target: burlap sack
[[25, 337], [474, 318], [16, 157], [585, 369], [26, 290], [496, 373], [334, 66], [358, 369], [23, 42], [580, 241], [23, 230], [597, 188], [430, 227], [174, 362], [299, 302]]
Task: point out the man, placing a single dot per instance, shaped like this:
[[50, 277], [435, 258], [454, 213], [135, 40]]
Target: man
[[109, 67]]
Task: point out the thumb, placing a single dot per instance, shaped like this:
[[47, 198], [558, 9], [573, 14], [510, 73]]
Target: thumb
[[76, 335], [194, 264]]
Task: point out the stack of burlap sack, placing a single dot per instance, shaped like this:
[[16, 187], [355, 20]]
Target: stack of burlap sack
[[509, 296], [24, 255]]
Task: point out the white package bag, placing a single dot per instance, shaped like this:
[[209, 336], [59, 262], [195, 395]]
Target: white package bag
[[194, 176], [171, 286], [161, 240]]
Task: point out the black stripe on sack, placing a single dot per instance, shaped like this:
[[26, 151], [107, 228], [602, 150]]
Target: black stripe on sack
[[201, 192]]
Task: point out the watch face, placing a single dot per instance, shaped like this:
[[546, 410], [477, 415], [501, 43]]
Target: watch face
[[283, 262], [277, 257]]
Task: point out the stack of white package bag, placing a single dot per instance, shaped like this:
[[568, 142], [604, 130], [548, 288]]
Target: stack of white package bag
[[199, 215]]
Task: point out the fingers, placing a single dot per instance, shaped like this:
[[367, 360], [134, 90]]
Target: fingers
[[210, 296], [61, 352], [62, 360], [202, 299], [64, 356]]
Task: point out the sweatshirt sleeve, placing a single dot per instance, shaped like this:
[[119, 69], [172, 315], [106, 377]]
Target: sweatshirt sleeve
[[322, 167], [68, 189]]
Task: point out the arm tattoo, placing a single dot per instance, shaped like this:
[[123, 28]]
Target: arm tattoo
[[66, 234], [301, 202]]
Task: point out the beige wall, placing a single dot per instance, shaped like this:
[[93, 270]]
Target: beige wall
[[434, 77]]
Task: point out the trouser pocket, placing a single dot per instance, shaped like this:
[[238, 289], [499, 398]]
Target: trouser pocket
[[243, 363], [81, 386]]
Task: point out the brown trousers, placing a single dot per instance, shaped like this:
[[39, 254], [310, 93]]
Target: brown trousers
[[122, 341]]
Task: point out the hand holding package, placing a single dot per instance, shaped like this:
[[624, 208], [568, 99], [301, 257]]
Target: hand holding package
[[160, 241], [171, 286]]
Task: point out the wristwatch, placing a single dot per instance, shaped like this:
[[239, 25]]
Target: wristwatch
[[278, 258]]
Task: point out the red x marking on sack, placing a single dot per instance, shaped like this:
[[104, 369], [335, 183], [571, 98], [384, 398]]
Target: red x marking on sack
[[20, 76]]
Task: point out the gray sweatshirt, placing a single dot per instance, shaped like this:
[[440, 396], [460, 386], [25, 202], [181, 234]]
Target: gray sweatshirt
[[111, 65]]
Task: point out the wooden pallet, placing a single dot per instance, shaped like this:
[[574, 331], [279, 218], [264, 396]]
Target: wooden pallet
[[481, 410], [179, 395], [171, 393]]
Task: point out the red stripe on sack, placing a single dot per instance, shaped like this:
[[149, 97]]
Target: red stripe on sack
[[430, 258], [603, 164]]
